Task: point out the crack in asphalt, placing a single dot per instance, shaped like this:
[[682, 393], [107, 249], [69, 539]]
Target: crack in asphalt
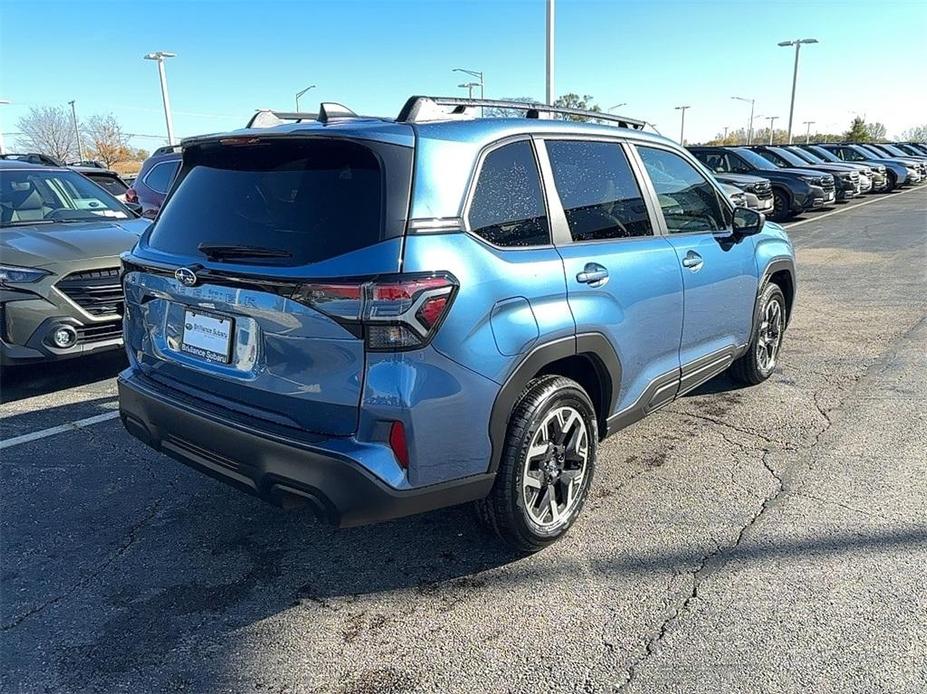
[[716, 559], [130, 538]]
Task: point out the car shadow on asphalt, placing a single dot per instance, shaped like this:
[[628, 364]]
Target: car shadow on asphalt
[[19, 382]]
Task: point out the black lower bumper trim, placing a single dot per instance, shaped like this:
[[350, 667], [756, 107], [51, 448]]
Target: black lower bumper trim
[[283, 472]]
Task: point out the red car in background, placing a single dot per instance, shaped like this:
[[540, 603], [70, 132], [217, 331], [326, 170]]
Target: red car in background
[[154, 180]]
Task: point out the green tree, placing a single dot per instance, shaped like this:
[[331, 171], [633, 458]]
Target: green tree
[[572, 100], [858, 131]]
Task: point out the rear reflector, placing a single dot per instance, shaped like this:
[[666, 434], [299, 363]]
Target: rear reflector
[[397, 441]]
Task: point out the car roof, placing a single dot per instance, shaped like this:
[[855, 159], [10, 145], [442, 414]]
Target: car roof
[[94, 170], [20, 164], [475, 131]]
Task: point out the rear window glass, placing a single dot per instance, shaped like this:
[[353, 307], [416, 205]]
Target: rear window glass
[[160, 177], [110, 184], [305, 201]]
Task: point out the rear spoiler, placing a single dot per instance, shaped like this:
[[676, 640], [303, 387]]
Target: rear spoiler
[[328, 111]]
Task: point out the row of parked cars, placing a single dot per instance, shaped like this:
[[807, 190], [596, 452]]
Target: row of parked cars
[[783, 181]]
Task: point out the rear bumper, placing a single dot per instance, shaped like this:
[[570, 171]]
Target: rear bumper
[[280, 470]]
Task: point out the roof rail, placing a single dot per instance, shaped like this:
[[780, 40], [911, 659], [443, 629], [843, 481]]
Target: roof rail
[[328, 111], [422, 108]]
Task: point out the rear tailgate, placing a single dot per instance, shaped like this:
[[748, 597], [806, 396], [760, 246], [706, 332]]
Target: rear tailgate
[[210, 291]]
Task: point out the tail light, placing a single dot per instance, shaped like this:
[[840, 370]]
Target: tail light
[[396, 313], [131, 195]]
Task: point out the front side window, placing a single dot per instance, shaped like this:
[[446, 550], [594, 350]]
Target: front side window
[[600, 196], [689, 202], [508, 207]]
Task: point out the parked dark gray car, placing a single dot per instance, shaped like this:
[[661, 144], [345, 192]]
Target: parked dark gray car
[[60, 240]]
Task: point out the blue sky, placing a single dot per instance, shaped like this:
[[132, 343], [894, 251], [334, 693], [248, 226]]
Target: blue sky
[[235, 56]]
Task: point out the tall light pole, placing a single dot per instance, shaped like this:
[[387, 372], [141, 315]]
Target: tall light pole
[[752, 103], [550, 52], [300, 93], [160, 57], [682, 126], [80, 147], [771, 119], [808, 124], [798, 44], [726, 128], [473, 73], [612, 108], [3, 102]]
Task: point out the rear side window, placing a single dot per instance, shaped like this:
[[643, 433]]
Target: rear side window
[[508, 207], [110, 184], [600, 196], [160, 177], [689, 202], [298, 201]]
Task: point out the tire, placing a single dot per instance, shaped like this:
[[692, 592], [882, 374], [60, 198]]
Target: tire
[[892, 182], [782, 205], [515, 510], [759, 361]]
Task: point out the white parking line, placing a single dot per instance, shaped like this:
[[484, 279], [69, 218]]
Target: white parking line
[[851, 207], [60, 429]]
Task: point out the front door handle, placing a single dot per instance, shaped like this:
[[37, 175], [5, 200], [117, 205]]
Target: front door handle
[[693, 261], [593, 274]]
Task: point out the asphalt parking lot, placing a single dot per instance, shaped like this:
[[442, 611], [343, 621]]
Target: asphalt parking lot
[[768, 539]]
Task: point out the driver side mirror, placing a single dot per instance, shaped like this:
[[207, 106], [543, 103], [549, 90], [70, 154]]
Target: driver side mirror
[[134, 207], [748, 222]]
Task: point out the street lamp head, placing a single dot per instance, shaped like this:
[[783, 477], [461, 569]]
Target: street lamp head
[[160, 55], [681, 108], [796, 42]]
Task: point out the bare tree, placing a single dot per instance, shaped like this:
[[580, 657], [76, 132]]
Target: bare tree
[[917, 134], [108, 144], [48, 130]]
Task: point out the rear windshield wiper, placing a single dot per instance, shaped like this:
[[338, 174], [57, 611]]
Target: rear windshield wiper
[[218, 251]]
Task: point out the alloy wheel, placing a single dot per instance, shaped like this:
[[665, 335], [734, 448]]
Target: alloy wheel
[[769, 338], [555, 468]]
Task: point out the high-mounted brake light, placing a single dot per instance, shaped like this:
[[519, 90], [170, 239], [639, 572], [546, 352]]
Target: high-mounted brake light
[[397, 313]]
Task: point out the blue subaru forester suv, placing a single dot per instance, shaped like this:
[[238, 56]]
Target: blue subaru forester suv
[[379, 317]]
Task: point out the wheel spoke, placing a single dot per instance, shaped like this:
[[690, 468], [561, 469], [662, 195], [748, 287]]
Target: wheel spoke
[[532, 481], [554, 509]]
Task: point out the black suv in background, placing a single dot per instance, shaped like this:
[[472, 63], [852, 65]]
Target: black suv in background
[[875, 173], [846, 178], [794, 190]]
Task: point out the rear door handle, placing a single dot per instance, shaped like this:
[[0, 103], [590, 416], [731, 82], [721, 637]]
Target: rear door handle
[[693, 261], [593, 274]]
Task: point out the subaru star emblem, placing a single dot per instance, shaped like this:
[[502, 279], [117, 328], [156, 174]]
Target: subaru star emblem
[[185, 276]]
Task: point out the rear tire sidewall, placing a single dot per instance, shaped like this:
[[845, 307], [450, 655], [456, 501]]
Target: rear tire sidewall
[[516, 525]]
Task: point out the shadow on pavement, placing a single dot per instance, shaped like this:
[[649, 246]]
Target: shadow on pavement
[[29, 380]]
